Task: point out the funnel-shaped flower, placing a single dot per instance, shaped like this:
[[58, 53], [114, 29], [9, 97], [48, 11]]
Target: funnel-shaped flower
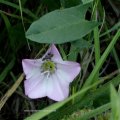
[[49, 76]]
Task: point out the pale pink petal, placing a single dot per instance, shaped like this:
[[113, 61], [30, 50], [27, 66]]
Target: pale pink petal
[[68, 70], [55, 86], [58, 83], [53, 50], [56, 90], [71, 63], [31, 67], [35, 87]]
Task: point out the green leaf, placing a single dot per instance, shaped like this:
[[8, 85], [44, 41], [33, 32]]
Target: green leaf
[[82, 44], [62, 34], [76, 47], [61, 26]]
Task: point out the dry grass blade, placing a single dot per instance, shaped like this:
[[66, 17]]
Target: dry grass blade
[[11, 91]]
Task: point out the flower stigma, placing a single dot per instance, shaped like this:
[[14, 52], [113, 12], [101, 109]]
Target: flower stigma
[[48, 66]]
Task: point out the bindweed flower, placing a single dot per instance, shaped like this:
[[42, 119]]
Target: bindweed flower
[[49, 76]]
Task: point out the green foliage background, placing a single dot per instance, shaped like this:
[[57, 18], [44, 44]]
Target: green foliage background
[[85, 31]]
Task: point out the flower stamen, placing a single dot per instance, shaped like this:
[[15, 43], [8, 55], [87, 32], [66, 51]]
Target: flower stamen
[[48, 66]]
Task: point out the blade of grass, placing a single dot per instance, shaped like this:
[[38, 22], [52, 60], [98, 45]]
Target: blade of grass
[[114, 53], [86, 1], [86, 68], [96, 39], [115, 27], [102, 59], [116, 58], [28, 12], [21, 13], [95, 112], [7, 22], [8, 26], [14, 80], [97, 49], [114, 7], [62, 2], [115, 104], [11, 91], [15, 16], [2, 60], [7, 69]]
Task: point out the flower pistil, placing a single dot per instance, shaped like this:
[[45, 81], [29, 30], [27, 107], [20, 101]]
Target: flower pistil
[[48, 65]]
